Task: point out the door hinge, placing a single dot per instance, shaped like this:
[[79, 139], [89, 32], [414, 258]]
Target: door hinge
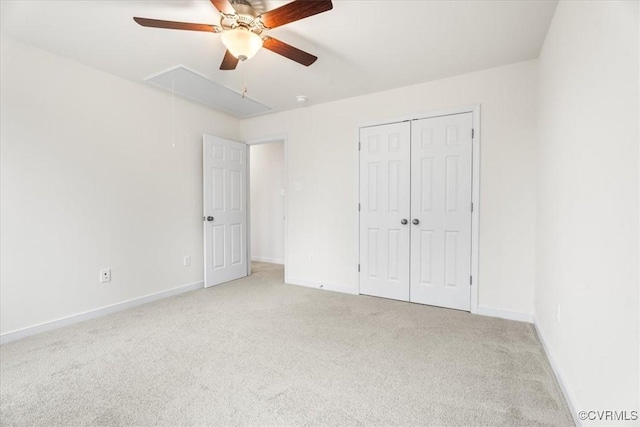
[[359, 207], [471, 206], [470, 280], [359, 146], [358, 268], [473, 133]]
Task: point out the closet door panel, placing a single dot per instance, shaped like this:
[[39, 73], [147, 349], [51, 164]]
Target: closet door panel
[[384, 203], [441, 192]]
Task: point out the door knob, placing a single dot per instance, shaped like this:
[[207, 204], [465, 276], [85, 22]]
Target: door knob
[[416, 221], [403, 222], [209, 218]]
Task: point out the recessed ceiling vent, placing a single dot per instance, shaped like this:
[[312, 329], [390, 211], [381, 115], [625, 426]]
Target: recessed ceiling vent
[[191, 85]]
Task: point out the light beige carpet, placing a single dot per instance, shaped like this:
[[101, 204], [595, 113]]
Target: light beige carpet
[[260, 352]]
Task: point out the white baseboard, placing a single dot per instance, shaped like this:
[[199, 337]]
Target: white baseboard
[[504, 314], [560, 377], [98, 312], [266, 259], [323, 286]]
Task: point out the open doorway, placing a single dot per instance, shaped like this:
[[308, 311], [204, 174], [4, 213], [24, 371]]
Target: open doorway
[[267, 201]]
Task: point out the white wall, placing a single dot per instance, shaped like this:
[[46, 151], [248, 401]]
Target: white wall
[[587, 208], [322, 159], [267, 202], [90, 180]]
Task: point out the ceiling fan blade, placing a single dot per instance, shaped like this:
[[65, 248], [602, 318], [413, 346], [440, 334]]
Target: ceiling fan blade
[[174, 25], [288, 51], [224, 6], [294, 11], [229, 62]]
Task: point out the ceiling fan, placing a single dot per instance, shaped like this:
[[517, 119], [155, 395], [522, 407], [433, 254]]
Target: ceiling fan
[[243, 29]]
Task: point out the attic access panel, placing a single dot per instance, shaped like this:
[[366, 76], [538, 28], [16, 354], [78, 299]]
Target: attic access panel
[[196, 87]]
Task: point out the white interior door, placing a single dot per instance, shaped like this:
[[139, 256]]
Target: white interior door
[[385, 205], [441, 162], [225, 210]]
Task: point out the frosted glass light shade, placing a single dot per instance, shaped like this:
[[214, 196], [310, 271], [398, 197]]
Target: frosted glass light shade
[[242, 43]]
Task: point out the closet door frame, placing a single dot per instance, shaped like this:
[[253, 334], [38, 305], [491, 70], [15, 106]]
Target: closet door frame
[[475, 187]]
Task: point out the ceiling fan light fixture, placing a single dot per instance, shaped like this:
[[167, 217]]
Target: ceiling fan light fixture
[[242, 43]]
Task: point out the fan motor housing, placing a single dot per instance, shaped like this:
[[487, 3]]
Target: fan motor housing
[[245, 17]]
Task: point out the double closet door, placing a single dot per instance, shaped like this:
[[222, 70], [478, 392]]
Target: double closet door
[[415, 211]]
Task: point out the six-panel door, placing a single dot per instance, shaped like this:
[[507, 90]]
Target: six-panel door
[[441, 203], [225, 212], [384, 194]]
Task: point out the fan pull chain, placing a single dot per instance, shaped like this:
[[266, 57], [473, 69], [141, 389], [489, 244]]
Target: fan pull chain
[[244, 80]]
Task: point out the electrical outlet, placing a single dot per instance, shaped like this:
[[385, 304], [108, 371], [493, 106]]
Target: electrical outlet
[[187, 261], [105, 275]]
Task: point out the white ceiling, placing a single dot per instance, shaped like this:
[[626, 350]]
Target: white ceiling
[[363, 46]]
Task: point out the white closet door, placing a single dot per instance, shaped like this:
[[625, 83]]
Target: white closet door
[[385, 203], [225, 210], [441, 161]]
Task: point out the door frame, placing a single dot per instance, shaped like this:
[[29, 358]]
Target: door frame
[[475, 186], [266, 140]]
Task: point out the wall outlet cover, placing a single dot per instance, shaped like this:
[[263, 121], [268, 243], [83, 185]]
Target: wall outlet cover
[[105, 275]]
